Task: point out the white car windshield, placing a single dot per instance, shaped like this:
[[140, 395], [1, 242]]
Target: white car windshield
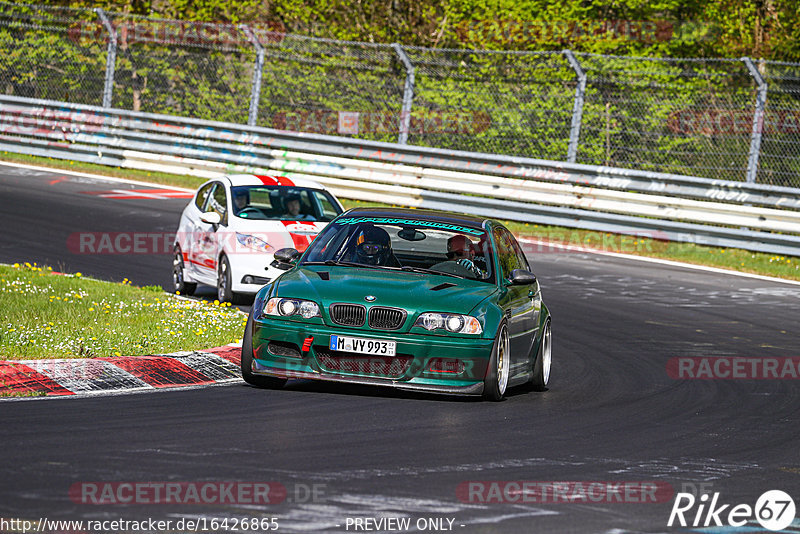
[[264, 202]]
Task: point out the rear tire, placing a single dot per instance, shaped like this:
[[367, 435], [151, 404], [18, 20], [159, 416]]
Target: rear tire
[[496, 381], [179, 283], [541, 367], [269, 382]]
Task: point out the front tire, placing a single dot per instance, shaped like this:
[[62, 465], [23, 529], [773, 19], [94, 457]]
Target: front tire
[[269, 382], [179, 283], [496, 381], [541, 367], [224, 282]]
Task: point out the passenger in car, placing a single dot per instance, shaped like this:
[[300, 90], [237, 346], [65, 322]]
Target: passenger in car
[[293, 210]]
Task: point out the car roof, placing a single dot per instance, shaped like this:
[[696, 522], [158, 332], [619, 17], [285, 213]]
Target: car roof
[[262, 179], [425, 215]]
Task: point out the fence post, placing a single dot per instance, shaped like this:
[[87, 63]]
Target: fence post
[[758, 121], [111, 58], [577, 107], [408, 94], [258, 69]]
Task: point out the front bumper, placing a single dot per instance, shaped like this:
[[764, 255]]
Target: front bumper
[[251, 264], [418, 364]]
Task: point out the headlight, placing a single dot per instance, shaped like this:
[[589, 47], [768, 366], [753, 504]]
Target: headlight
[[452, 322], [253, 242], [284, 307]]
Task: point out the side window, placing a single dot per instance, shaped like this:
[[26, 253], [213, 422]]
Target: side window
[[219, 202], [523, 261], [329, 211], [506, 255], [202, 195], [306, 205]]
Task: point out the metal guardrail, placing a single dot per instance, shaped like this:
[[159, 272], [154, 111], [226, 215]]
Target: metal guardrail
[[679, 208]]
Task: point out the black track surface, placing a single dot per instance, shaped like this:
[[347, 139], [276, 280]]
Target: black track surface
[[612, 413]]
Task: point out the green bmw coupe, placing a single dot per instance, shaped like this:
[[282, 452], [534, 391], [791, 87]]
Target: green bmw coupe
[[412, 299]]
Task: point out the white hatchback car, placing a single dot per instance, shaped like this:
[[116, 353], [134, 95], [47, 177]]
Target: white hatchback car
[[232, 227]]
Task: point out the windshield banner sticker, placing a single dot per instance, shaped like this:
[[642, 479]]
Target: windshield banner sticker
[[412, 222]]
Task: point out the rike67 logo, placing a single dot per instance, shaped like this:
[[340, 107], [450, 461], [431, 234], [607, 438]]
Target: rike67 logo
[[774, 510]]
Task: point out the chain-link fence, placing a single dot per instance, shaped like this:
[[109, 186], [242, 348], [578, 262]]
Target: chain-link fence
[[718, 118]]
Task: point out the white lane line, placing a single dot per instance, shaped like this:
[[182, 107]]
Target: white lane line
[[96, 176], [659, 261]]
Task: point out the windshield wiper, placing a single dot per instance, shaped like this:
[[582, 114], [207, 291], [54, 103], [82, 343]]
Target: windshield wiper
[[429, 271]]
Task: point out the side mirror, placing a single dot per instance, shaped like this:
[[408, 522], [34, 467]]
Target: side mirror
[[521, 277], [211, 217], [285, 258]]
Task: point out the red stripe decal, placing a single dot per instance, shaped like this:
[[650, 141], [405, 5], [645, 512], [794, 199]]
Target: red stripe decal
[[301, 241], [267, 180], [275, 180], [159, 371], [19, 378], [211, 264]]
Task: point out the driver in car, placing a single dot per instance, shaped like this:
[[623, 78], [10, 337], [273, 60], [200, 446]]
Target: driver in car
[[461, 250], [241, 199], [374, 247]]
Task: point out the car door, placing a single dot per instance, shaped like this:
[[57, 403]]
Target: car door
[[534, 294], [189, 229], [517, 302], [208, 237]]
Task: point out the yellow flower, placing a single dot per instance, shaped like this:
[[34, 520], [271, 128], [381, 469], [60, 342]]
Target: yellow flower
[[78, 275]]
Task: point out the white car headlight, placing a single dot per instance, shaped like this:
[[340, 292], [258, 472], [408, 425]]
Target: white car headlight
[[285, 307], [253, 242], [452, 322]]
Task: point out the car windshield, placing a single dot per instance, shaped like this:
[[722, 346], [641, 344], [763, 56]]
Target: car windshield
[[260, 202], [405, 245]]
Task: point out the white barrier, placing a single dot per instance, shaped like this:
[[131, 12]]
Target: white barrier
[[729, 214]]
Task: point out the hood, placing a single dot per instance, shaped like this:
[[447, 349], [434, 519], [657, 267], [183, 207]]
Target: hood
[[413, 292]]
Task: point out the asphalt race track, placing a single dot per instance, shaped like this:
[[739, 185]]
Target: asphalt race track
[[613, 414]]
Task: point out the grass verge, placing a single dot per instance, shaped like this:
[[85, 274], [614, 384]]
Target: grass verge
[[733, 259], [49, 316]]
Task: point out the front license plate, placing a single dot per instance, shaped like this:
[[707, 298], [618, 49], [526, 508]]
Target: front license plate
[[360, 345]]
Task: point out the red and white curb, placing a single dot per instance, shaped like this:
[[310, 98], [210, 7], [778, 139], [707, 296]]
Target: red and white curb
[[119, 374]]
